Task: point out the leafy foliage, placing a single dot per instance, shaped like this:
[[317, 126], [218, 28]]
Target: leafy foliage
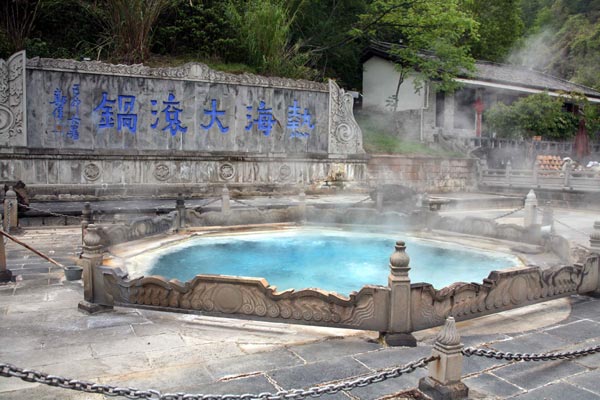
[[536, 115], [264, 28], [501, 25], [429, 36], [198, 29]]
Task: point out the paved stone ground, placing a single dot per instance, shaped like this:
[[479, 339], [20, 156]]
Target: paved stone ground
[[42, 329]]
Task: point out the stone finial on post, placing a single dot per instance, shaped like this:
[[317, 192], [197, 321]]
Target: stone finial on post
[[508, 171], [87, 218], [443, 382], [225, 204], [180, 208], [530, 209], [11, 212], [567, 174], [400, 324]]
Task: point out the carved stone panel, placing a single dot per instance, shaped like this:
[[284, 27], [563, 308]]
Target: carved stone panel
[[345, 136], [13, 123], [502, 290], [254, 298]]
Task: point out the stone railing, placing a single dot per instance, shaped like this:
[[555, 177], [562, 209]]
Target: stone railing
[[136, 229], [536, 146], [395, 310], [585, 181]]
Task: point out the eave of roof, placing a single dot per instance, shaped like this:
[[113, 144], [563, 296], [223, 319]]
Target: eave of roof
[[495, 75]]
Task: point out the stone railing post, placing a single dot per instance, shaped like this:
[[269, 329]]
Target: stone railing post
[[379, 198], [595, 248], [302, 205], [508, 172], [399, 331], [93, 284], [443, 382], [536, 170], [548, 218], [225, 204], [11, 211], [5, 273], [567, 171], [180, 208], [530, 209], [87, 218]]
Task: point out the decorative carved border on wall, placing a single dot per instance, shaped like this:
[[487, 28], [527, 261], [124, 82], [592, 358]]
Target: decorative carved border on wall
[[502, 290], [190, 71], [253, 297], [345, 136], [13, 118]]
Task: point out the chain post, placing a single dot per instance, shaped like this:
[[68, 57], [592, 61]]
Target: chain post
[[90, 260], [443, 382]]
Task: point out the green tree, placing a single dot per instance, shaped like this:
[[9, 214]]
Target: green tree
[[430, 38], [264, 31], [536, 115], [17, 19], [501, 25]]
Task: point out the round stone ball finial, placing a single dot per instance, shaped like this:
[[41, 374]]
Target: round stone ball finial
[[399, 259], [92, 237]]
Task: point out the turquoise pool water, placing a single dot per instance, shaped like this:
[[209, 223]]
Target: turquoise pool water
[[332, 260]]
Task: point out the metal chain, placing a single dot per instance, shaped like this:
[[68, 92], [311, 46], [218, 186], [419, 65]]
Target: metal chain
[[509, 213], [570, 227], [51, 213], [471, 351], [27, 375]]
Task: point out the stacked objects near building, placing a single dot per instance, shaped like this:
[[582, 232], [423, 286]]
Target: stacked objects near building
[[549, 163]]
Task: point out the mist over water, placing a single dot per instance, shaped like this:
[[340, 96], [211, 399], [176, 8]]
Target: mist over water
[[335, 261]]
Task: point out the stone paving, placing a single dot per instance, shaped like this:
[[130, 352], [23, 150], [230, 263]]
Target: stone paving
[[42, 329]]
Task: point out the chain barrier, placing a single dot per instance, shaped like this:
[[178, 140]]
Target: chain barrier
[[10, 371], [50, 212], [259, 209], [509, 213], [499, 355]]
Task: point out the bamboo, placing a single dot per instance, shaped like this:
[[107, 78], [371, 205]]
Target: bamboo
[[17, 241]]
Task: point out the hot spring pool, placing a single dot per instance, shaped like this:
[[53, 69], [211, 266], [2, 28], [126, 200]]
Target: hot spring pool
[[332, 260]]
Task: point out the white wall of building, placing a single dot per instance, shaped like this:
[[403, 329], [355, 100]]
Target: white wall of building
[[380, 80]]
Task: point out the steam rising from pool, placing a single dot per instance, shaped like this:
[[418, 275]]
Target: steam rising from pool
[[336, 261]]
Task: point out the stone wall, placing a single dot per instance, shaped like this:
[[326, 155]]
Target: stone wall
[[92, 127], [424, 174]]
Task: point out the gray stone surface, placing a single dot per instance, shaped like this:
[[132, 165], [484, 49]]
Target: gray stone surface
[[315, 373], [490, 385], [531, 375], [577, 331], [253, 363], [558, 391], [334, 348]]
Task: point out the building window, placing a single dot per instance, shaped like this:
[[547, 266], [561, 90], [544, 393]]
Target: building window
[[464, 113]]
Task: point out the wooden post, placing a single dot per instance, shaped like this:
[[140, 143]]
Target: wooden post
[[400, 324], [5, 273]]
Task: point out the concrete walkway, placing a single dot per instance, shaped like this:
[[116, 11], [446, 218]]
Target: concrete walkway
[[42, 329]]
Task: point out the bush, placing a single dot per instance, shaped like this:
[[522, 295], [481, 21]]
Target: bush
[[536, 115]]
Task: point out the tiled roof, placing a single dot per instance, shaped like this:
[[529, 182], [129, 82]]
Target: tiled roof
[[502, 73]]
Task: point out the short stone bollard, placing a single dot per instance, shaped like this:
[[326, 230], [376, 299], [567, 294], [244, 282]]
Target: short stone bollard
[[443, 382], [225, 203]]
